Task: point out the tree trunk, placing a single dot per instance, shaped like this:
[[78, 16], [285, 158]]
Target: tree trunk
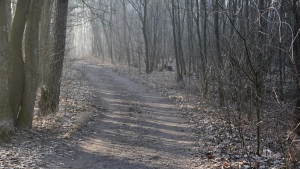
[[107, 42], [145, 33], [155, 22], [180, 33], [16, 67], [50, 95], [189, 7], [296, 62], [219, 55], [110, 35], [8, 14], [6, 122], [31, 64], [45, 41], [176, 40], [126, 42], [259, 76], [204, 53]]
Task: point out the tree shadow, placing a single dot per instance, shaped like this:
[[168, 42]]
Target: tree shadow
[[138, 128]]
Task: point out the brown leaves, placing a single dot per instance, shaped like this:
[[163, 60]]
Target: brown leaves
[[27, 149], [225, 165], [209, 155], [217, 147]]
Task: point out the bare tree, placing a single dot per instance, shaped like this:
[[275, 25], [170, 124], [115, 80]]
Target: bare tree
[[50, 94], [16, 67], [8, 14], [45, 41], [177, 37], [219, 65], [6, 122], [126, 39], [141, 7], [31, 67]]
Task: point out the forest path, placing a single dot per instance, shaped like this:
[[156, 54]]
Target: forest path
[[134, 128]]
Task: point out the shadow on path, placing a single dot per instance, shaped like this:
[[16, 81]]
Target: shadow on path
[[132, 127]]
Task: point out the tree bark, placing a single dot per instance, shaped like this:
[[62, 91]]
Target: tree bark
[[110, 34], [50, 94], [31, 64], [6, 122], [219, 54], [176, 40], [108, 43], [203, 53], [126, 42], [8, 14], [16, 67], [145, 33], [190, 25], [45, 41], [296, 62]]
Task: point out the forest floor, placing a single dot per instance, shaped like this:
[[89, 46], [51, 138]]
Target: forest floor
[[116, 119]]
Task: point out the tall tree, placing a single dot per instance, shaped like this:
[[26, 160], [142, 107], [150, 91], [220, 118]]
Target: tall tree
[[16, 78], [202, 50], [50, 94], [126, 39], [296, 58], [176, 27], [141, 7], [145, 33], [190, 27], [8, 14], [6, 122], [219, 54], [31, 66], [45, 41]]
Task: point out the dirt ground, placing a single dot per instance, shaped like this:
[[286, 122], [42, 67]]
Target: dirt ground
[[114, 118], [131, 126]]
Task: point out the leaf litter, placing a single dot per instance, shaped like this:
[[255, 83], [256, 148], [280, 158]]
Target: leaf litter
[[216, 147], [219, 144], [27, 148]]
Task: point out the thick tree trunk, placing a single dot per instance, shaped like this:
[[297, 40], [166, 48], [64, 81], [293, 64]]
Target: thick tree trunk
[[16, 67], [6, 122], [8, 14], [50, 95], [45, 41], [31, 64]]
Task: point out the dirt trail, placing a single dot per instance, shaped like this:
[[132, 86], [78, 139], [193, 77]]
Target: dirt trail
[[134, 128]]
